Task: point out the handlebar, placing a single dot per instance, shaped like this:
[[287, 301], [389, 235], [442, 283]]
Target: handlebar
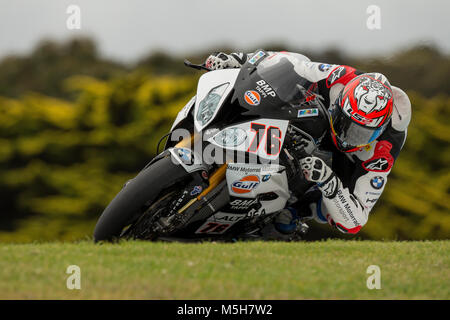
[[187, 63]]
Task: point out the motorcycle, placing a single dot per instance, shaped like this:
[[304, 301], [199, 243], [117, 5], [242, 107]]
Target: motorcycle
[[230, 162]]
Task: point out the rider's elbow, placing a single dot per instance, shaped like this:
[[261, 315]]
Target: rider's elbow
[[348, 219], [352, 230], [352, 227]]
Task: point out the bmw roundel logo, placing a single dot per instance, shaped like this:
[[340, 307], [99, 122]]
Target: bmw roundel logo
[[377, 182], [324, 67], [185, 155]]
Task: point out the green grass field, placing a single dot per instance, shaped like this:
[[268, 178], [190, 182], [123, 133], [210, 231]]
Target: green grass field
[[333, 269]]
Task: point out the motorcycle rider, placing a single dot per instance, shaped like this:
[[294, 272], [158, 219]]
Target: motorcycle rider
[[368, 120]]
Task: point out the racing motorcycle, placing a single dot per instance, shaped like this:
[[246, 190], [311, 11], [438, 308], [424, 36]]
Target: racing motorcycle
[[235, 165]]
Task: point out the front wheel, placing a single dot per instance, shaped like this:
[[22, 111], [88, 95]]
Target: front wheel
[[140, 192]]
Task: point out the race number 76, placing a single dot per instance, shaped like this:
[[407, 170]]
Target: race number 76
[[273, 141]]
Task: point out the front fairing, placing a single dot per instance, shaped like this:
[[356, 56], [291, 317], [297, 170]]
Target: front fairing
[[276, 90], [208, 102], [265, 89]]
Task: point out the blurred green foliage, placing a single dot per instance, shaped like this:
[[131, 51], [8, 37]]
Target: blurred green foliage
[[45, 69], [62, 162], [80, 127]]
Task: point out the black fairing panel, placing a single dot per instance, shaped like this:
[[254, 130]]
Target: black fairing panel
[[269, 107]]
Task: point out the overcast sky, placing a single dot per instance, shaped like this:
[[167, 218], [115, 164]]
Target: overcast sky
[[129, 29]]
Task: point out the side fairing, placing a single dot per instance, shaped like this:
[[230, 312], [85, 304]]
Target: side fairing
[[251, 180], [183, 113], [263, 137]]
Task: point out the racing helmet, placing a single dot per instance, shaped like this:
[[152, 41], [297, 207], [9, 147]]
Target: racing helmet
[[361, 112]]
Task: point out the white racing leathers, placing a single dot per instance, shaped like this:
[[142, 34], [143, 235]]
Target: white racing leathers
[[360, 177]]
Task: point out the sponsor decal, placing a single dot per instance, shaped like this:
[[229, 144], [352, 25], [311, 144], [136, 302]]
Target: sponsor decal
[[245, 185], [176, 204], [229, 217], [324, 67], [329, 189], [252, 97], [335, 75], [196, 190], [253, 169], [256, 213], [364, 120], [246, 170], [344, 208], [373, 193], [185, 155], [377, 182], [382, 160], [265, 89], [230, 137], [219, 223], [266, 177], [372, 200], [256, 57], [242, 204], [312, 112], [205, 175], [359, 118], [379, 164]]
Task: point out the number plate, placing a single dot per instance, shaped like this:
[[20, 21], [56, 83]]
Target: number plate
[[219, 223]]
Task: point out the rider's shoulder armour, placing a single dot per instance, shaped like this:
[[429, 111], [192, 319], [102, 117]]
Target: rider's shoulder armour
[[401, 115]]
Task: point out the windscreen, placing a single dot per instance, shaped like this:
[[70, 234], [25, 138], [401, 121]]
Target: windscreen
[[278, 71]]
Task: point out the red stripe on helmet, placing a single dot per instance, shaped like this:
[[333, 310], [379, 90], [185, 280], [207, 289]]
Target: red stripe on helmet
[[366, 116]]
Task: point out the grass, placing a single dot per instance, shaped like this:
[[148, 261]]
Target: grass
[[333, 269]]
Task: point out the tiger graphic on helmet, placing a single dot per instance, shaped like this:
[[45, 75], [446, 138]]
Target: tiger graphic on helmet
[[372, 94], [367, 99]]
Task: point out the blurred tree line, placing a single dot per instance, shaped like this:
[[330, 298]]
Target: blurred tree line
[[74, 127]]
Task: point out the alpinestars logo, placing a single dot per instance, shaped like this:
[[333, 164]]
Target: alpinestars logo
[[335, 75], [330, 188], [377, 165], [382, 159]]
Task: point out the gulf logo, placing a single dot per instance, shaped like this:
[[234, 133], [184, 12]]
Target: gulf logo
[[252, 97], [245, 185]]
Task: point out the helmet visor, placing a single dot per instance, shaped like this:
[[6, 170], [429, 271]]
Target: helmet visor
[[349, 134]]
